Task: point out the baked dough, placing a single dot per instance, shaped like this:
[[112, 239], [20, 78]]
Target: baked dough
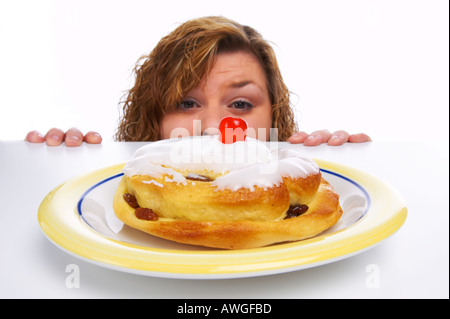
[[198, 200], [323, 212]]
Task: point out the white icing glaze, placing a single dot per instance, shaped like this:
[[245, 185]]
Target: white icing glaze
[[245, 164]]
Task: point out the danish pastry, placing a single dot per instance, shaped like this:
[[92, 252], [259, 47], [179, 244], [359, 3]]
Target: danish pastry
[[201, 191]]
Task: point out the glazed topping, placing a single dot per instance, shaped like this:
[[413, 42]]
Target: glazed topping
[[243, 164]]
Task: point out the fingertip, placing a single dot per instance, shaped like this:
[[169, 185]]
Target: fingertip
[[34, 137], [317, 137], [73, 137], [313, 140], [338, 138], [93, 138], [366, 138], [54, 137], [297, 138], [53, 140], [359, 138], [73, 140]]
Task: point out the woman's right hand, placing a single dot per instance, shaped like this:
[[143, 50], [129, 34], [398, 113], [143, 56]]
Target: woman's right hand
[[73, 137]]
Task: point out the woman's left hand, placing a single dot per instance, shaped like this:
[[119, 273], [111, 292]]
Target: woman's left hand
[[324, 136]]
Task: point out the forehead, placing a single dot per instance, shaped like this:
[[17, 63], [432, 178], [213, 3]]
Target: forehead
[[236, 67]]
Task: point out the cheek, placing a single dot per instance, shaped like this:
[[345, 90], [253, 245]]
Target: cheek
[[173, 125], [261, 122], [260, 127]]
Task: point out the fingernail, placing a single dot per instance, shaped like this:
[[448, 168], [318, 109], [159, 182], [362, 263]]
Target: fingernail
[[334, 137], [311, 138], [74, 138], [53, 140]]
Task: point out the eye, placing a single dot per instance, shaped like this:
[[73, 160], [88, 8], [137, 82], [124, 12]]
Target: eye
[[187, 105], [241, 105]]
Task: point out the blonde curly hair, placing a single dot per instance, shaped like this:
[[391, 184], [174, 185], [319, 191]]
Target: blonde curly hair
[[179, 62]]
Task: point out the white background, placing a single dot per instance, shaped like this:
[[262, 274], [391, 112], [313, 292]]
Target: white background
[[379, 67]]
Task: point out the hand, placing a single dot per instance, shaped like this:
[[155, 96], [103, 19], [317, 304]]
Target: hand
[[73, 137], [324, 136]]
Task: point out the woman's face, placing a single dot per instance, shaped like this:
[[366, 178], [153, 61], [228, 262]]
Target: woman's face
[[236, 86]]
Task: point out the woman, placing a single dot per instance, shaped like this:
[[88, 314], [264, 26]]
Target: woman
[[204, 70]]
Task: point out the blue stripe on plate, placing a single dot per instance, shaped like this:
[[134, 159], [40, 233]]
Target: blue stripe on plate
[[91, 188], [362, 189]]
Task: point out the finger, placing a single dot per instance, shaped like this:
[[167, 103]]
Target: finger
[[34, 137], [93, 138], [338, 138], [54, 137], [359, 138], [74, 137], [298, 137], [317, 138]]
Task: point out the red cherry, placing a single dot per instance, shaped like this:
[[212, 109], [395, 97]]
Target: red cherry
[[232, 129]]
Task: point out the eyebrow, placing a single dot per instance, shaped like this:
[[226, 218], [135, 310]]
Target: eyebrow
[[238, 85], [241, 84]]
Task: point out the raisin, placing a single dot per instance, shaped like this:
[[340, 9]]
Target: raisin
[[296, 210], [197, 177], [145, 214], [131, 200]]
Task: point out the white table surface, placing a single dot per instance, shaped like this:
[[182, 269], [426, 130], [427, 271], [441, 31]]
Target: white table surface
[[412, 263]]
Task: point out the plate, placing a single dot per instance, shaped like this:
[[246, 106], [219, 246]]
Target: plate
[[78, 217]]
